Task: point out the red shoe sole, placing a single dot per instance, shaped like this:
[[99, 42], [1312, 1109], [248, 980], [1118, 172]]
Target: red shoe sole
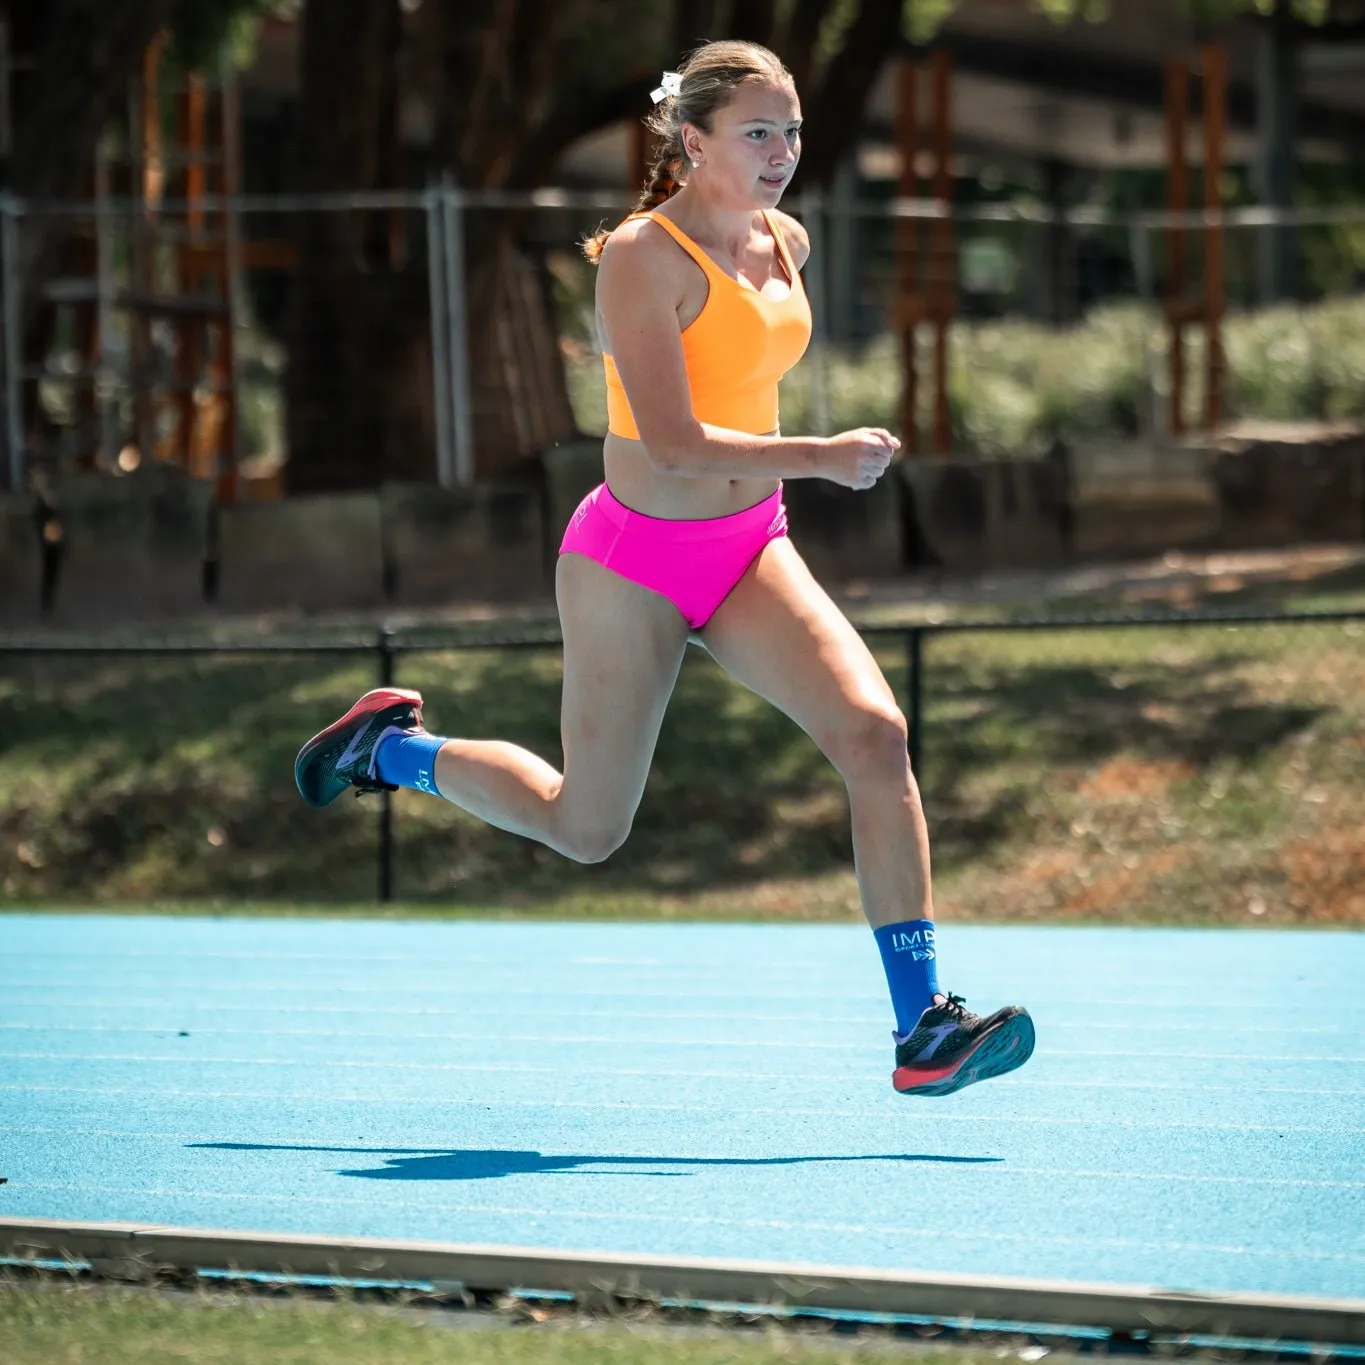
[[1001, 1050], [374, 700]]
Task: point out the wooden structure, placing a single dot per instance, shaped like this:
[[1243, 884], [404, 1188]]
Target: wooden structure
[[919, 299], [173, 293], [184, 271], [1205, 304], [926, 279]]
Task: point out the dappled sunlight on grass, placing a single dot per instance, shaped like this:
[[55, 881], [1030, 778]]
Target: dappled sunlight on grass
[[1186, 773], [1169, 784]]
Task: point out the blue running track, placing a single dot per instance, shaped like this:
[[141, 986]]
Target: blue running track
[[1193, 1118]]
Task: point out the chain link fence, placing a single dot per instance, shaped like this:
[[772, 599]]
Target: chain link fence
[[446, 336], [1196, 767]]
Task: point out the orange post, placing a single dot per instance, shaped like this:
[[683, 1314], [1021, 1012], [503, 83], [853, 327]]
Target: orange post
[[192, 109], [942, 247], [147, 181], [1177, 202], [224, 372], [196, 173], [639, 154], [153, 165], [1214, 297]]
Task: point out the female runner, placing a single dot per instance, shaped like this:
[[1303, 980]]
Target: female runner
[[700, 311]]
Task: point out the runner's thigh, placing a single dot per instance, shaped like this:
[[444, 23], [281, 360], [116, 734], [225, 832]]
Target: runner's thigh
[[623, 646], [780, 634]]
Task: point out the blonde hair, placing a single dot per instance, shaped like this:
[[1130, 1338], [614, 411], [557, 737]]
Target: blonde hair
[[710, 76]]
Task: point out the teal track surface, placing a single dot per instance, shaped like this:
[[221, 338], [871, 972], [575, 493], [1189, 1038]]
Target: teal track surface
[[1193, 1117]]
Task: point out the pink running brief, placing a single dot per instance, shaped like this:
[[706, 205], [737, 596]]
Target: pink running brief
[[695, 564]]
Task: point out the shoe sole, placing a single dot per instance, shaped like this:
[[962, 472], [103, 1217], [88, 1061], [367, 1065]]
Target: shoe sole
[[375, 700], [1003, 1049]]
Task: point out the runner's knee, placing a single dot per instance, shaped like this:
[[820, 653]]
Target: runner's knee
[[594, 841], [868, 743]]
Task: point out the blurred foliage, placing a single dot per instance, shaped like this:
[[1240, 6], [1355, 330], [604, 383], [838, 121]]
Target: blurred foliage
[[601, 39], [922, 18], [1333, 254], [1016, 386], [205, 31]]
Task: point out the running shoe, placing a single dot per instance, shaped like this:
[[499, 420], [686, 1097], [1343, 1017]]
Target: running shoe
[[951, 1047], [342, 755]]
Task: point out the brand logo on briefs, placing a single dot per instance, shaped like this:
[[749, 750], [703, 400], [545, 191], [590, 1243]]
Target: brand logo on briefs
[[919, 943]]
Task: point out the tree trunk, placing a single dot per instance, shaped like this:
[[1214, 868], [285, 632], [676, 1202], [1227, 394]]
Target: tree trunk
[[844, 84], [359, 386], [504, 109]]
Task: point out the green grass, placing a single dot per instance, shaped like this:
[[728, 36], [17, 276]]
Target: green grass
[[1153, 775], [75, 1325], [1185, 775]]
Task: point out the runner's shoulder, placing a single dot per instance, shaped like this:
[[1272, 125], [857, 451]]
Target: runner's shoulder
[[795, 235], [640, 251]]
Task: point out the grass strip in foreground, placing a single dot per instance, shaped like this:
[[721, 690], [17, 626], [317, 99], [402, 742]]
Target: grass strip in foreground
[[66, 1323], [135, 1250]]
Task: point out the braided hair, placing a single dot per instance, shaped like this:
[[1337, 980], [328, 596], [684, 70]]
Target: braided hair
[[710, 76]]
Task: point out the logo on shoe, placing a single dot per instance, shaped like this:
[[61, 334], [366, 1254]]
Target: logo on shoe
[[353, 749], [919, 943], [940, 1032]]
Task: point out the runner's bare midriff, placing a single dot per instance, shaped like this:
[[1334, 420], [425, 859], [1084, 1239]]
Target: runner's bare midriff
[[635, 482]]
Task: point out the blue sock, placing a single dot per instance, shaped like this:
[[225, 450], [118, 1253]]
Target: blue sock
[[911, 969], [407, 760]]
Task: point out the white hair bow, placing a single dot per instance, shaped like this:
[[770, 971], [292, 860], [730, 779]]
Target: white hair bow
[[672, 85]]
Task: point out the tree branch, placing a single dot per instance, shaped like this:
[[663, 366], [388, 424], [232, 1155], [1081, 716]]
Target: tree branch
[[847, 79], [575, 114], [797, 44], [529, 65]]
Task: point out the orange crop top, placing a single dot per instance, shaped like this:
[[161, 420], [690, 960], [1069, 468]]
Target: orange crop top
[[737, 348]]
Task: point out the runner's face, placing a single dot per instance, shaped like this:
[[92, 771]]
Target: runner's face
[[750, 154]]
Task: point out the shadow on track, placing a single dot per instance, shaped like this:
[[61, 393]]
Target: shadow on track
[[434, 1163]]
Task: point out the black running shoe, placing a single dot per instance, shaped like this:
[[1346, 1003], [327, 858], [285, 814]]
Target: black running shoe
[[342, 755], [950, 1047]]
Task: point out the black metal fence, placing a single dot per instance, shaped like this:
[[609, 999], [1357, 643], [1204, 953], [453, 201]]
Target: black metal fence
[[1098, 760]]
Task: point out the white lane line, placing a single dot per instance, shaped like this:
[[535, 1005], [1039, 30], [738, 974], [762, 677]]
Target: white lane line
[[860, 1021], [1031, 1238], [1103, 968], [654, 1072], [1003, 1168], [693, 966], [840, 1112], [825, 988], [656, 1043], [463, 1011]]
